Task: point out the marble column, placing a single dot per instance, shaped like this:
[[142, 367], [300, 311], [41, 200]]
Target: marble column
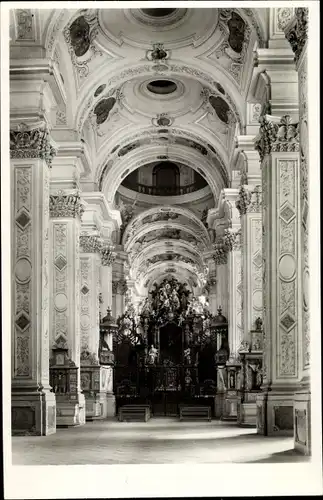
[[250, 352], [107, 259], [33, 405], [210, 286], [249, 205], [220, 258], [278, 146], [296, 33], [232, 241], [65, 215]]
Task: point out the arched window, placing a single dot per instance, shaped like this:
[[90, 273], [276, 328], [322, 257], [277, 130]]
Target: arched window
[[166, 176]]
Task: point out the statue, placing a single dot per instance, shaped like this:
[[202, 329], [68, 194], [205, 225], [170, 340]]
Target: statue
[[258, 323], [187, 355], [152, 355]]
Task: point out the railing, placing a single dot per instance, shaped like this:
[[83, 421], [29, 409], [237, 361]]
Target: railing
[[164, 191]]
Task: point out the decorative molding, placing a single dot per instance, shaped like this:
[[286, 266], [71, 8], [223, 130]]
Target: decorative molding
[[220, 255], [25, 25], [297, 32], [108, 257], [158, 53], [80, 36], [250, 200], [276, 137], [119, 287], [89, 358], [232, 239], [65, 205], [90, 243], [34, 143], [284, 16], [60, 290], [23, 271]]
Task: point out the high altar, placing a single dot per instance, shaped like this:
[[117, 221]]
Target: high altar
[[171, 353]]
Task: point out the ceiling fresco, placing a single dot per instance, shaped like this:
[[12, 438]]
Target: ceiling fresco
[[142, 85]]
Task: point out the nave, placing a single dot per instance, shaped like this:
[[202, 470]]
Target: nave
[[158, 441]]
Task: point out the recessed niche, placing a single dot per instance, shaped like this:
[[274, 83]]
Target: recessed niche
[[158, 12], [161, 87]]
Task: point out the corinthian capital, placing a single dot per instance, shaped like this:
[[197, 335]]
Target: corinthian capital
[[65, 205], [250, 200], [297, 31], [107, 255], [277, 137], [232, 240], [34, 143], [90, 244]]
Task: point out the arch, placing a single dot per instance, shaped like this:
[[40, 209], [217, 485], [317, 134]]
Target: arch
[[136, 222], [110, 151], [137, 158]]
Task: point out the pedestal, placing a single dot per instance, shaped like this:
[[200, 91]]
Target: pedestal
[[33, 413], [96, 384]]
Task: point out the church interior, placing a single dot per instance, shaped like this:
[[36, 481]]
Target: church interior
[[159, 235]]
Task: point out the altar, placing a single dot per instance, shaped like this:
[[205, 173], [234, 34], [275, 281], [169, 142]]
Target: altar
[[168, 355]]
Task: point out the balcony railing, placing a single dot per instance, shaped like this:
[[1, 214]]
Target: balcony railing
[[164, 190]]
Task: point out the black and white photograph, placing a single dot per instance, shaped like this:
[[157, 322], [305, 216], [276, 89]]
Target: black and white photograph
[[160, 173]]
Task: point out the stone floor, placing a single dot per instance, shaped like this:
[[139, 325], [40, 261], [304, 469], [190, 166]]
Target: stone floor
[[159, 441]]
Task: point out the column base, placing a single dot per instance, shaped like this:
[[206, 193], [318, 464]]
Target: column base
[[33, 413], [302, 421], [70, 410], [247, 410], [275, 413], [219, 404], [230, 406]]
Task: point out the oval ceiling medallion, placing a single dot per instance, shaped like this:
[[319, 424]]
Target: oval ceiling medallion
[[162, 87], [161, 18], [158, 12]]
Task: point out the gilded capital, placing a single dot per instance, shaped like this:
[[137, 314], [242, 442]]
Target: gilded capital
[[277, 137], [65, 205], [34, 143]]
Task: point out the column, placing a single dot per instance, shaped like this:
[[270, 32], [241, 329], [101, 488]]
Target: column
[[278, 146], [90, 247], [296, 33], [107, 259], [232, 240], [65, 213], [220, 258], [33, 405], [250, 207], [210, 286]]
